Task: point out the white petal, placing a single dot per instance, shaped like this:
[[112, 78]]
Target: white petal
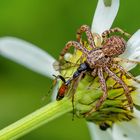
[[138, 77], [137, 114], [104, 16], [136, 95], [67, 56], [54, 94], [128, 130], [28, 55], [97, 134], [132, 50]]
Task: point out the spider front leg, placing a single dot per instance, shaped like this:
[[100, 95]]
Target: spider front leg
[[75, 44], [104, 89], [123, 71], [87, 30], [125, 87], [106, 33]]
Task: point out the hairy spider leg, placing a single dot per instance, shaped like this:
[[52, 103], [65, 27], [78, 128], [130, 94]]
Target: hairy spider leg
[[94, 40], [93, 73], [126, 60], [125, 87], [104, 89], [106, 33], [87, 30], [58, 66], [75, 44], [117, 66], [97, 40]]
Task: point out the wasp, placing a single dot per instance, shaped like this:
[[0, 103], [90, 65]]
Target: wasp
[[65, 85]]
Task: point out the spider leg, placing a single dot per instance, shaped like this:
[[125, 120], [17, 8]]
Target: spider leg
[[121, 82], [117, 66], [97, 40], [58, 66], [75, 44], [87, 30], [104, 89], [93, 73], [106, 33], [125, 60]]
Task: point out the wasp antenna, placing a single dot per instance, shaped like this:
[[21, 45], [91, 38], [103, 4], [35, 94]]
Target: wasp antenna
[[54, 75], [62, 78], [59, 77]]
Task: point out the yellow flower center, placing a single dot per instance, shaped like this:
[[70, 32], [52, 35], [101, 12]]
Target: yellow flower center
[[114, 108]]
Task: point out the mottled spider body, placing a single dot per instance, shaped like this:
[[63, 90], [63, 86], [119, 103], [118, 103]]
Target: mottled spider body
[[100, 59], [113, 47]]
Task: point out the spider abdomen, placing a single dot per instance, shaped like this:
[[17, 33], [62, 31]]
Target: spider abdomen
[[114, 46]]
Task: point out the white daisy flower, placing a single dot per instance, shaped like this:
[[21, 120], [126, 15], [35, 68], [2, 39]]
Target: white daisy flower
[[40, 61]]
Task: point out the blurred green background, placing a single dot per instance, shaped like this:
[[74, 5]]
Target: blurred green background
[[48, 24]]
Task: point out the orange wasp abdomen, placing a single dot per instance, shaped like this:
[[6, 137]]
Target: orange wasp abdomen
[[61, 92]]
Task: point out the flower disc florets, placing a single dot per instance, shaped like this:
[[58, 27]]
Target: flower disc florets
[[115, 108]]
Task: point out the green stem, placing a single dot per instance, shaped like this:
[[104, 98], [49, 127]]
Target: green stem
[[36, 119]]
